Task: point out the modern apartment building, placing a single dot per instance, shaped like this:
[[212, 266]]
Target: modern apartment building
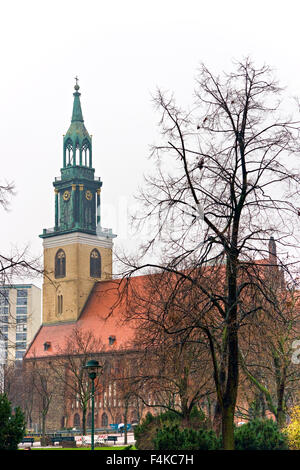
[[20, 318], [2, 362]]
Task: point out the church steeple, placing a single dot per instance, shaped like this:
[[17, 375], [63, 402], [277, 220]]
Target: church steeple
[[77, 190], [77, 141], [77, 251]]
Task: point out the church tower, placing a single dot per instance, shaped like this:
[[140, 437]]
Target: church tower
[[77, 251]]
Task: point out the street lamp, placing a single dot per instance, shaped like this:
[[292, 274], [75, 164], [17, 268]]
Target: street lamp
[[92, 367]]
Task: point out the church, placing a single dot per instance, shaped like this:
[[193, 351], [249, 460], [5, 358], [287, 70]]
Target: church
[[78, 289], [80, 294]]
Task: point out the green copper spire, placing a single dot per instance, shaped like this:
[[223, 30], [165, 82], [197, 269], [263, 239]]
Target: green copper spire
[[77, 113], [77, 189], [77, 141]]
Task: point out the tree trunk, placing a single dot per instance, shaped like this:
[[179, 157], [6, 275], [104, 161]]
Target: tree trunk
[[280, 378], [125, 421], [280, 415], [230, 395], [43, 424], [84, 421], [217, 420], [281, 418], [231, 351], [228, 427]]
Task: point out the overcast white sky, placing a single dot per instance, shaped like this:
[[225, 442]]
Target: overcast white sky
[[121, 51]]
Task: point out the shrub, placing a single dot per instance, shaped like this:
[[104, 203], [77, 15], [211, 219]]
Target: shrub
[[173, 438], [145, 432], [292, 431], [197, 414], [142, 430], [259, 434], [12, 425], [169, 416]]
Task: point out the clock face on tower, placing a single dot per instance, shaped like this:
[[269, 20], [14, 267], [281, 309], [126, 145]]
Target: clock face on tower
[[66, 195], [88, 195]]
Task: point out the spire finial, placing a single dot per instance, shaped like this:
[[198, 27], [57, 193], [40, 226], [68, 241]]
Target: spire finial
[[76, 85]]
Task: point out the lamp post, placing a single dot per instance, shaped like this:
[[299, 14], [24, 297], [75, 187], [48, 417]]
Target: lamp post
[[92, 367]]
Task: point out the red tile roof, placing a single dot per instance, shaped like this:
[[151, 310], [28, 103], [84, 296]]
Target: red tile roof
[[102, 315], [95, 317]]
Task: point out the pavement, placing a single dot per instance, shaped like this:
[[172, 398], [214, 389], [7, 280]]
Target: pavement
[[120, 442]]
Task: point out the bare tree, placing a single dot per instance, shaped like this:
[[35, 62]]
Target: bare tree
[[42, 386], [68, 368], [225, 182], [19, 262], [7, 190], [14, 265], [267, 360], [125, 379], [173, 369]]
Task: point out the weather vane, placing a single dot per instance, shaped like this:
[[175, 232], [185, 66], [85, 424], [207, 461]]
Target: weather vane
[[76, 86]]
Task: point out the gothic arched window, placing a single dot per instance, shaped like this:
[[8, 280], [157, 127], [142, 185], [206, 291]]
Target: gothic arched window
[[59, 304], [89, 420], [68, 152], [86, 153], [60, 264], [76, 156], [104, 420], [95, 263], [76, 421]]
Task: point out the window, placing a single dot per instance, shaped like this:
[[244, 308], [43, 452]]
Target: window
[[21, 328], [86, 153], [22, 293], [111, 340], [104, 420], [19, 354], [69, 152], [21, 300], [21, 319], [60, 264], [89, 420], [4, 319], [95, 263], [21, 336], [47, 345], [21, 310], [76, 420], [59, 304], [22, 296], [4, 294], [76, 155]]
